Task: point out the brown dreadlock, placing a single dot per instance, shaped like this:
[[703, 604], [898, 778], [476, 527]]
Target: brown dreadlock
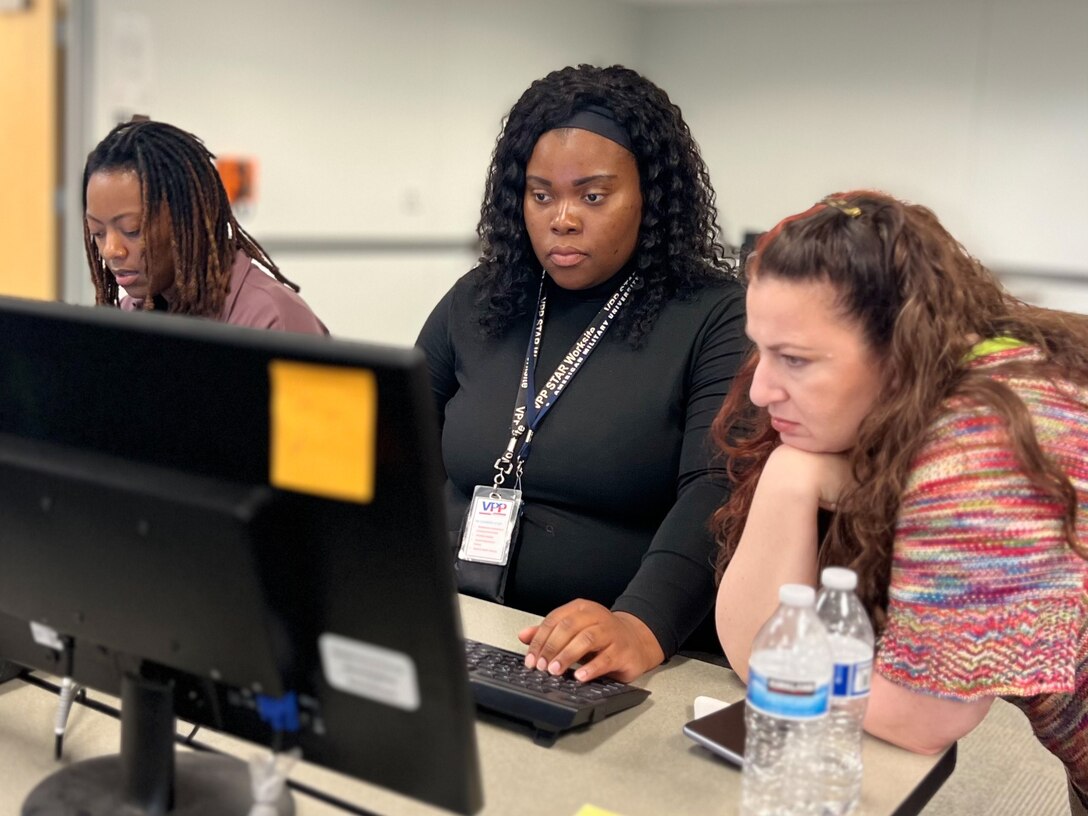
[[177, 175]]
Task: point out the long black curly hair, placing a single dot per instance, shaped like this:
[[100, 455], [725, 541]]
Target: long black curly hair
[[678, 242]]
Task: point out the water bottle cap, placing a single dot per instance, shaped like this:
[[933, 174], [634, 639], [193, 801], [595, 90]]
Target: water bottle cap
[[796, 595], [839, 578]]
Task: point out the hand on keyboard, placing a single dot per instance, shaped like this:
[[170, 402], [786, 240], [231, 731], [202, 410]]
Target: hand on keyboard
[[501, 682], [621, 645]]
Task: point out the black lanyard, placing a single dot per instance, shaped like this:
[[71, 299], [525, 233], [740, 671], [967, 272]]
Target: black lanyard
[[528, 414]]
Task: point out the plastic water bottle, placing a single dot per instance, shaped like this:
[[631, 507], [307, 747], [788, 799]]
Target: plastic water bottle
[[851, 636], [789, 686]]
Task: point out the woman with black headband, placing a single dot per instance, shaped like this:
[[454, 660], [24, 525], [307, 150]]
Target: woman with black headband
[[577, 370]]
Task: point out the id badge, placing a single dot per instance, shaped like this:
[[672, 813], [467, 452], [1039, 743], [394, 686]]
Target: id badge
[[490, 525]]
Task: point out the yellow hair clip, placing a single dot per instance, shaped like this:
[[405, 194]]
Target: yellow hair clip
[[843, 206]]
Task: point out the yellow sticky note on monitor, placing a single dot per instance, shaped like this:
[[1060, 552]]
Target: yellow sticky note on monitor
[[323, 424]]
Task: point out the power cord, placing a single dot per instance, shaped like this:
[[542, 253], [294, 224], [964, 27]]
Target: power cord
[[189, 739], [68, 690]]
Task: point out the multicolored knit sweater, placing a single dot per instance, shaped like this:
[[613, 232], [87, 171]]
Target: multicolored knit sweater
[[986, 596]]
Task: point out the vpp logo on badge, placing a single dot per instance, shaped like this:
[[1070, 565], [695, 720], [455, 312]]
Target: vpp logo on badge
[[492, 508]]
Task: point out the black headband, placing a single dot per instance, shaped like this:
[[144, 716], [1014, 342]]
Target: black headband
[[599, 120]]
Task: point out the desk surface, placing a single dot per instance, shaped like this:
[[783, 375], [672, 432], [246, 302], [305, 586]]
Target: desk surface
[[636, 763]]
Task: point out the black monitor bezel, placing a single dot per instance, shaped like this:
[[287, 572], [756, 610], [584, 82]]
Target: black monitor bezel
[[195, 411]]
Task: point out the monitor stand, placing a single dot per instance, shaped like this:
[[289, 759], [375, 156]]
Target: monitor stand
[[8, 671], [148, 778]]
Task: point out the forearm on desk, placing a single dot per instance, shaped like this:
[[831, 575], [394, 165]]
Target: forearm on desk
[[778, 546], [919, 722]]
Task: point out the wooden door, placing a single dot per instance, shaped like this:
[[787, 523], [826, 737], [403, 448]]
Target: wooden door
[[29, 148]]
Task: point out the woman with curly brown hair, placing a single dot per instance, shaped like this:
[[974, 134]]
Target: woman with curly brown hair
[[157, 223], [903, 415], [600, 258]]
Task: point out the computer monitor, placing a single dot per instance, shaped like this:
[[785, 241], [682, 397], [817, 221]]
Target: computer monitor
[[239, 527]]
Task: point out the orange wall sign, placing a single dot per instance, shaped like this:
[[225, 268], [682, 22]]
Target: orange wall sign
[[239, 174]]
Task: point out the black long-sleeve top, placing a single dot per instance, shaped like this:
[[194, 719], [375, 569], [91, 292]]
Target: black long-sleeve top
[[619, 486]]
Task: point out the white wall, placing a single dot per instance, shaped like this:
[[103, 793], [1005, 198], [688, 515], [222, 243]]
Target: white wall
[[373, 120], [379, 296], [976, 108]]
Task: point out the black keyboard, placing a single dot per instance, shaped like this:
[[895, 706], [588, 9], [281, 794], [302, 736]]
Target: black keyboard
[[501, 683]]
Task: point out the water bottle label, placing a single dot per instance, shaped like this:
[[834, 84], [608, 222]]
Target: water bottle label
[[788, 699], [853, 679]]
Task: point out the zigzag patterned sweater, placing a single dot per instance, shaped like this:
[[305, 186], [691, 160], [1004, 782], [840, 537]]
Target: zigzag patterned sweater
[[986, 597]]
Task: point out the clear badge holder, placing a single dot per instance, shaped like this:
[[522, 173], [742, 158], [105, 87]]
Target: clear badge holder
[[491, 524]]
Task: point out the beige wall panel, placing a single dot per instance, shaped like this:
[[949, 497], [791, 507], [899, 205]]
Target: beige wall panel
[[28, 150]]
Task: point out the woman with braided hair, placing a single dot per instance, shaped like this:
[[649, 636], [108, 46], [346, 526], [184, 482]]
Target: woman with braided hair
[[904, 416], [601, 256], [158, 225]]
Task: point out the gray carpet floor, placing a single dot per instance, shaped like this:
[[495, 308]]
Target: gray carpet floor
[[1002, 770]]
